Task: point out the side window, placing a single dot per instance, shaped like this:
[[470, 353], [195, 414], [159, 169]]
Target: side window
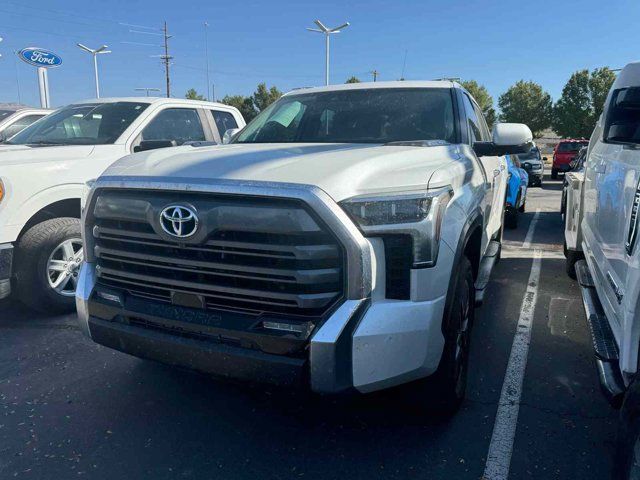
[[484, 129], [179, 124], [473, 122], [224, 121]]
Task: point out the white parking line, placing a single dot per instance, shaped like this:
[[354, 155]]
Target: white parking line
[[532, 228], [504, 428]]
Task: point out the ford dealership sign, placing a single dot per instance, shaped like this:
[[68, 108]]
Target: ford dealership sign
[[39, 57]]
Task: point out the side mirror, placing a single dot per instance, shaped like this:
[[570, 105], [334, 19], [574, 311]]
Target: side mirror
[[508, 138], [228, 135], [154, 144], [544, 159]]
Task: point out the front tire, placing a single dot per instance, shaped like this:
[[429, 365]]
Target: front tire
[[48, 258], [445, 390]]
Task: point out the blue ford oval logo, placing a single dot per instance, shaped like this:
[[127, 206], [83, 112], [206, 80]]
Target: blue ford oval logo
[[39, 57]]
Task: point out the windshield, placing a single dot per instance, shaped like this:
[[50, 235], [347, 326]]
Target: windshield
[[532, 155], [571, 146], [5, 113], [379, 115], [83, 124]]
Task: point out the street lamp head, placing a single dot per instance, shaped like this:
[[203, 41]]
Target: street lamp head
[[84, 47], [324, 29], [337, 29]]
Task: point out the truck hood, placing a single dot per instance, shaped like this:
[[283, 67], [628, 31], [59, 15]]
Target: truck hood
[[23, 154], [341, 170]]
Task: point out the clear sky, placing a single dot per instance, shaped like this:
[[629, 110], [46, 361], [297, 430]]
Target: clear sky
[[494, 42]]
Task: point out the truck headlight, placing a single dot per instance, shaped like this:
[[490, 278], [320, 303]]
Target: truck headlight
[[386, 210], [417, 214], [86, 189]]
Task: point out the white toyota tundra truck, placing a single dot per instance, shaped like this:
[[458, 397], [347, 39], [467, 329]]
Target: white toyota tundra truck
[[601, 235], [340, 240], [43, 170]]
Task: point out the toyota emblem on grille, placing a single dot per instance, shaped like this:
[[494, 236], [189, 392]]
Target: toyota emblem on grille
[[179, 221]]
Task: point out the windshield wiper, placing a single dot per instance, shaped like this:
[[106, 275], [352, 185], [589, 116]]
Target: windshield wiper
[[417, 143]]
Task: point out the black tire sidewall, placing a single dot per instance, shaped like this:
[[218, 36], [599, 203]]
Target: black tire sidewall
[[32, 255], [444, 379]]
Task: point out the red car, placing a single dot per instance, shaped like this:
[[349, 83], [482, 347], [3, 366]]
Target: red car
[[564, 152]]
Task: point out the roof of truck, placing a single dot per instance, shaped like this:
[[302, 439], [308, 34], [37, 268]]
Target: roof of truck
[[153, 100], [369, 85]]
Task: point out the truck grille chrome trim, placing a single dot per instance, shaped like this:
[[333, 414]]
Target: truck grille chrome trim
[[299, 259]]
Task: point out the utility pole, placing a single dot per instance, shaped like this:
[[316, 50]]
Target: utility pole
[[206, 55], [375, 74], [166, 58]]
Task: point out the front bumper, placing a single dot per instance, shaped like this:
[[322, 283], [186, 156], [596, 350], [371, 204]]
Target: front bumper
[[562, 167], [363, 346], [367, 343], [6, 261]]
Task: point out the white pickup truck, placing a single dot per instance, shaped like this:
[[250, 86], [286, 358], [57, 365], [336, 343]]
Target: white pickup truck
[[601, 235], [15, 118], [341, 240], [44, 168]]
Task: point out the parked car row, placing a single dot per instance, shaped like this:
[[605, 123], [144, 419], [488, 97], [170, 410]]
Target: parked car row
[[342, 239], [601, 235]]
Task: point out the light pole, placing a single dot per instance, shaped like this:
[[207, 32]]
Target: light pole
[[147, 90], [327, 32], [95, 53]]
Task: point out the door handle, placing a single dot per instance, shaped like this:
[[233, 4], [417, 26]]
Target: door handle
[[496, 172]]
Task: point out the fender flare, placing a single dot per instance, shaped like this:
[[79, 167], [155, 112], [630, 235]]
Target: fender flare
[[475, 220]]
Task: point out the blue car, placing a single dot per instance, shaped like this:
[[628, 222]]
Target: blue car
[[516, 191]]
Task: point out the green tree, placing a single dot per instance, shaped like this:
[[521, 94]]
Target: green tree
[[192, 94], [242, 103], [581, 102], [264, 97], [353, 79], [600, 83], [485, 101], [528, 103]]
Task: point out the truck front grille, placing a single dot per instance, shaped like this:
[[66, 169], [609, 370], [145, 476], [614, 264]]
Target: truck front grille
[[256, 255]]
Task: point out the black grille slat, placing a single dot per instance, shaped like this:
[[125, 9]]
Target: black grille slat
[[261, 268]]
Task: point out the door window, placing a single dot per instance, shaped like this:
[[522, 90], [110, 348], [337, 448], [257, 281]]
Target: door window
[[179, 124], [224, 121], [474, 123]]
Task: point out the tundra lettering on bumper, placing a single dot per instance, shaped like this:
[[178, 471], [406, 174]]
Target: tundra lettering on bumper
[[6, 260]]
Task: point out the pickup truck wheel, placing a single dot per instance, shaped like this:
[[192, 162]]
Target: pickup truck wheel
[[511, 218], [445, 390], [48, 259], [523, 206], [571, 257]]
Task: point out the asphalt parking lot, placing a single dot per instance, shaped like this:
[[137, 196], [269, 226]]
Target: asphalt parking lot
[[70, 408]]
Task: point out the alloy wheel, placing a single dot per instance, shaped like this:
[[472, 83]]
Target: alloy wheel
[[63, 267]]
